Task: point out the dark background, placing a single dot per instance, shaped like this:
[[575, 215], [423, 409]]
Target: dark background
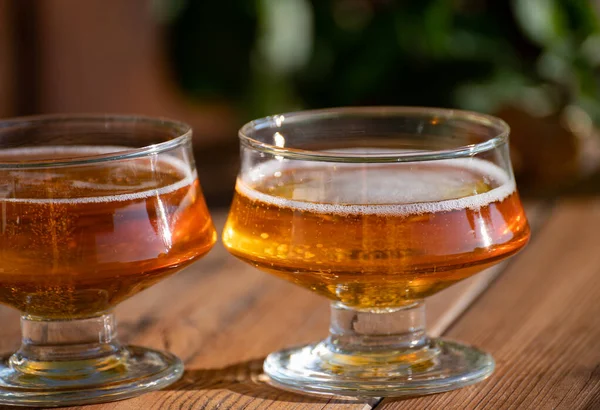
[[216, 65]]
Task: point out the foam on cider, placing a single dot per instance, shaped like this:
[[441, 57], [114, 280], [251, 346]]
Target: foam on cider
[[388, 189], [188, 176]]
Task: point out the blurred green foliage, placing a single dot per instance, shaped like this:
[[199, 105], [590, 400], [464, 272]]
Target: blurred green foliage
[[270, 56]]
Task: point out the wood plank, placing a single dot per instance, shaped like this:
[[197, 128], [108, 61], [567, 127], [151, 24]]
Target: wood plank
[[234, 375], [222, 317], [540, 321], [445, 307], [227, 318]]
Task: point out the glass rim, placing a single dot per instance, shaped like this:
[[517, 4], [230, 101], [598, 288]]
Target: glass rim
[[183, 131], [469, 150]]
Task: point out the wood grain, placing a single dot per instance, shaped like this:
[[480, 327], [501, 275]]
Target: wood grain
[[222, 317], [540, 321]]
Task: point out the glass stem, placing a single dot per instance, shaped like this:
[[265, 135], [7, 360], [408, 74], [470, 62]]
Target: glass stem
[[367, 332], [77, 347]]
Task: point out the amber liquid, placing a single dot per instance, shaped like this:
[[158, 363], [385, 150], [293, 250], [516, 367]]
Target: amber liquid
[[362, 237], [75, 241]]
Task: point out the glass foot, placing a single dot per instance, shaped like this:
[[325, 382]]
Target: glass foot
[[439, 366], [128, 373]]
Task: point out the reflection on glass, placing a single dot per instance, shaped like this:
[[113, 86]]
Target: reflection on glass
[[376, 209], [84, 226]]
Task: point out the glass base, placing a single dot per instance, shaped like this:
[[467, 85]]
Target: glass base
[[439, 366], [137, 370]]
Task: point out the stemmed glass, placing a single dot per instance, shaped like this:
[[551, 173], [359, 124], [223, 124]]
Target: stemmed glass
[[376, 209], [94, 209]]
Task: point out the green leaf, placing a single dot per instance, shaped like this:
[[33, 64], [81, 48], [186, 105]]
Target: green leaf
[[543, 21]]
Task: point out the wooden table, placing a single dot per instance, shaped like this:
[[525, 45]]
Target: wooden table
[[538, 314]]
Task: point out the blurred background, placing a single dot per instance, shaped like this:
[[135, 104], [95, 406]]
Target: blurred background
[[217, 65]]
